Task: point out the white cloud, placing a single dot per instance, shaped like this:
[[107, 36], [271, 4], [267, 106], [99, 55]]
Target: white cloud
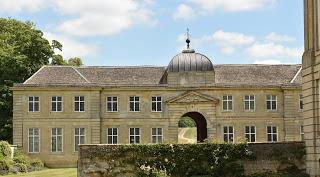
[[274, 37], [15, 6], [102, 17], [184, 11], [72, 47], [268, 62], [232, 5], [272, 50]]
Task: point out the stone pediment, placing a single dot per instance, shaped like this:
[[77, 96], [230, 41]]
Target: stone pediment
[[192, 97]]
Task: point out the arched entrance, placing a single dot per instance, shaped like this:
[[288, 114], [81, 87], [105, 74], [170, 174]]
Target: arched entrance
[[201, 124]]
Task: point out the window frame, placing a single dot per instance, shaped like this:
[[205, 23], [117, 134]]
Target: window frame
[[250, 133], [156, 135], [156, 103], [112, 136], [79, 136], [56, 102], [272, 126], [271, 100], [302, 138], [79, 102], [33, 103], [228, 133], [134, 105], [111, 102], [227, 102], [57, 139], [39, 136], [301, 105], [249, 101], [135, 135]]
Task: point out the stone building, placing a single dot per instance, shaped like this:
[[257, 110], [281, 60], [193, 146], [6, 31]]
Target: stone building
[[60, 107], [310, 86]]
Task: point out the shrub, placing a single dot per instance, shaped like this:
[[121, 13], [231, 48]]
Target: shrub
[[5, 151], [36, 164], [186, 122], [5, 166], [20, 167]]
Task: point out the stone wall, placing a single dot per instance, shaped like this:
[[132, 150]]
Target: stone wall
[[102, 160]]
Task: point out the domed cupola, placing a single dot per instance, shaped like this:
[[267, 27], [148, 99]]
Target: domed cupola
[[189, 60]]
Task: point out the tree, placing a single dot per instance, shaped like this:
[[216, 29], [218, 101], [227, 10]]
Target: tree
[[23, 50], [76, 61], [58, 60]]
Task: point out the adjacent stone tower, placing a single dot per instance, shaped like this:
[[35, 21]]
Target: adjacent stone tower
[[310, 86]]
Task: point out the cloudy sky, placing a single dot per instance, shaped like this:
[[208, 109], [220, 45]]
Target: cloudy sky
[[151, 32]]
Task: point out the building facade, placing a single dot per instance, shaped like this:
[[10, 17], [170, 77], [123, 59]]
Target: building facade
[[310, 86], [60, 107]]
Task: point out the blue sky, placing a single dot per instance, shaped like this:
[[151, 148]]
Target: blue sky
[[151, 32]]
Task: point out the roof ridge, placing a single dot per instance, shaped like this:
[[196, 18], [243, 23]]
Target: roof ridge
[[34, 74], [296, 75], [81, 75]]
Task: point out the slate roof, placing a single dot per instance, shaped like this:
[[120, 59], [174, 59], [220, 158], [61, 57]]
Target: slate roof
[[246, 74]]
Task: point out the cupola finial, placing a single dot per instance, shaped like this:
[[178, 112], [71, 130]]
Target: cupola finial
[[188, 39]]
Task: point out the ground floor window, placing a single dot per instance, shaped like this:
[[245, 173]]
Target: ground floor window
[[228, 133], [250, 133], [112, 135], [156, 135], [301, 133], [272, 133], [34, 140], [134, 135], [79, 137], [56, 139]]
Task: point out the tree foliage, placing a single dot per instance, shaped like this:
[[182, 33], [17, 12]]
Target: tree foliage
[[186, 122], [23, 50]]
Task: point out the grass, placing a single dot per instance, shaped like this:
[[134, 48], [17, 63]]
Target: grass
[[63, 172]]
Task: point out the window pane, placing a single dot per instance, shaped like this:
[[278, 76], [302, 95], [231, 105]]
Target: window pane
[[154, 131], [154, 106], [81, 106], [253, 129], [131, 106], [59, 106], [109, 139], [76, 131], [30, 106], [137, 139], [36, 98], [224, 106], [115, 106], [59, 131], [36, 106], [82, 98], [137, 106], [76, 106], [108, 98], [159, 131], [159, 106], [154, 139], [153, 98], [115, 140], [30, 98], [131, 99], [109, 107], [225, 129], [247, 129], [137, 131], [136, 98], [109, 131], [53, 98], [53, 106], [230, 105], [115, 131], [131, 131]]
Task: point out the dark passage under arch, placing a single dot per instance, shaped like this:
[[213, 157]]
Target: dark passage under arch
[[201, 124]]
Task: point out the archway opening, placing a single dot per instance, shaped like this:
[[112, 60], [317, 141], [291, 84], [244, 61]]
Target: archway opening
[[192, 128]]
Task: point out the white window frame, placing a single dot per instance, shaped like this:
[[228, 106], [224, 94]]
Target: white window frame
[[134, 104], [271, 100], [79, 137], [301, 102], [57, 140], [33, 103], [33, 137], [249, 100], [250, 133], [79, 102], [228, 133], [134, 135], [272, 140], [302, 138], [227, 102], [56, 103], [113, 136], [111, 102], [156, 103], [156, 135]]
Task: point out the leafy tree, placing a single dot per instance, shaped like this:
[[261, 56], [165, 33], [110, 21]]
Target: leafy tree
[[58, 60], [23, 50], [186, 122], [76, 61]]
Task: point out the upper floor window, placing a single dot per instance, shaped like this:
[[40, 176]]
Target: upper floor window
[[227, 103], [134, 135], [156, 135], [272, 133], [56, 104], [228, 133], [271, 101], [250, 133], [112, 135], [134, 104], [112, 104], [300, 102], [249, 102], [79, 103], [79, 137], [56, 140], [34, 140], [156, 104], [34, 103]]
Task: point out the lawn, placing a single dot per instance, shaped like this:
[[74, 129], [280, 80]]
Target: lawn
[[60, 172]]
